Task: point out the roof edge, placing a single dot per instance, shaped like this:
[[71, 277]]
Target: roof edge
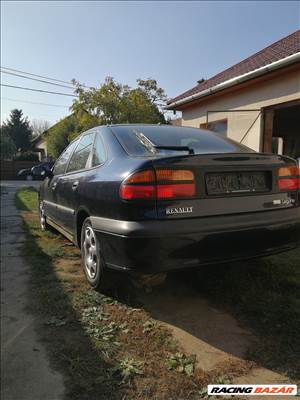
[[238, 79]]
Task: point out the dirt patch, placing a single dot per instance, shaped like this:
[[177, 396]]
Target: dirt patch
[[208, 332]]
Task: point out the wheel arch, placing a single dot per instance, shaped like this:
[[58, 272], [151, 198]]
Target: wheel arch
[[81, 215]]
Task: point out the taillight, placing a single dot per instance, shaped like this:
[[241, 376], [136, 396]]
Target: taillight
[[288, 171], [140, 185], [174, 175], [175, 183], [288, 178], [161, 184], [175, 191]]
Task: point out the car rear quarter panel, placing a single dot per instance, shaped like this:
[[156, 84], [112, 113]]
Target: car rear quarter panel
[[99, 191]]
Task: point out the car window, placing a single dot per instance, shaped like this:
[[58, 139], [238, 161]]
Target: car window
[[141, 140], [99, 154], [61, 163], [81, 154]]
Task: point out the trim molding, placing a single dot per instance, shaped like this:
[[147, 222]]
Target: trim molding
[[60, 229], [68, 209]]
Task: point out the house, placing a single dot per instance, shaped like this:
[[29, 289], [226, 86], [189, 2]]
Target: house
[[255, 102], [176, 122], [40, 146]]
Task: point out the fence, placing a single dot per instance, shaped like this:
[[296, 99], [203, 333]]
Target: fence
[[10, 169]]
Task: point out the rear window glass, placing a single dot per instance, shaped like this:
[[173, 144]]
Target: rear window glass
[[141, 140]]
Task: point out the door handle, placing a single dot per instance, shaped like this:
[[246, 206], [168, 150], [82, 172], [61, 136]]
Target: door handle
[[75, 185], [54, 186]]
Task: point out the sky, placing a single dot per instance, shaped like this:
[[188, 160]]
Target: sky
[[174, 42]]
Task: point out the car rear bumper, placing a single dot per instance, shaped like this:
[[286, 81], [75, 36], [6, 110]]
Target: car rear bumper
[[163, 245]]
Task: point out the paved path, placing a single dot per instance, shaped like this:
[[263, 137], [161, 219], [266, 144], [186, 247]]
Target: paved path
[[25, 370]]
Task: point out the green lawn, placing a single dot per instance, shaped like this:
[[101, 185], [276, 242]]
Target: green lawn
[[26, 199]]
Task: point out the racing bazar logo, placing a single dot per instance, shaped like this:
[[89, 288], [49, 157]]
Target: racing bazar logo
[[252, 390]]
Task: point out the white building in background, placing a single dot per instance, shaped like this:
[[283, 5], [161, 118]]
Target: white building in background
[[256, 101]]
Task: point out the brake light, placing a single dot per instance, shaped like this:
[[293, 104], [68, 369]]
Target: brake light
[[175, 191], [161, 184], [288, 184], [288, 178], [132, 192], [140, 185]]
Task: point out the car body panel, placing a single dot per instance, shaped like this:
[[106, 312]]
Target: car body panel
[[151, 246], [158, 235], [48, 194]]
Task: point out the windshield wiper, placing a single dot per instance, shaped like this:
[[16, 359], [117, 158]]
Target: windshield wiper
[[176, 148], [146, 142], [151, 147]]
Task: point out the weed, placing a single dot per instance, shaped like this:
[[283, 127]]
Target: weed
[[148, 326], [128, 368], [181, 363]]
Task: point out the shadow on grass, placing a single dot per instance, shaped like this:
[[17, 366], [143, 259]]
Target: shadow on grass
[[264, 295], [86, 374]]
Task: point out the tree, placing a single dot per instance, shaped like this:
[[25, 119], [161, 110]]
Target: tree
[[114, 103], [18, 129], [60, 135], [39, 126], [155, 94], [8, 148], [111, 103]]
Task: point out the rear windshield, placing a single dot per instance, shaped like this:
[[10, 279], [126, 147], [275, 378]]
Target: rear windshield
[[141, 141]]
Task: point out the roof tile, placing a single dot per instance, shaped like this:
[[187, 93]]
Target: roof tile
[[282, 48]]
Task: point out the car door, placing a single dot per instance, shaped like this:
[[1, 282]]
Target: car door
[[50, 185], [68, 185]]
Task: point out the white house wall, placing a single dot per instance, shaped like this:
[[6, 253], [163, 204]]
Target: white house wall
[[281, 89]]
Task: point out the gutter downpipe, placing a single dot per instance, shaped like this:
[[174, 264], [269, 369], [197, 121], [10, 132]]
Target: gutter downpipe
[[239, 79]]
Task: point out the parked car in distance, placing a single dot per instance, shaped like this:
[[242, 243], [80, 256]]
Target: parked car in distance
[[39, 171], [25, 173], [153, 198], [34, 173]]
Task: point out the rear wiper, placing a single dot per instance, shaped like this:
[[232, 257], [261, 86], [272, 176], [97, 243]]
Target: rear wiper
[[176, 148], [146, 142], [151, 147]]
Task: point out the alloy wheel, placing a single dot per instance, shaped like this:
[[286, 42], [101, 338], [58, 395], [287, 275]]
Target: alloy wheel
[[42, 217], [90, 252]]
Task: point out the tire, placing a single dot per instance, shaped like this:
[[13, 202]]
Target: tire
[[43, 219], [92, 259]]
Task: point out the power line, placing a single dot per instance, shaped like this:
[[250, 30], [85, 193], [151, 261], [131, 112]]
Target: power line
[[42, 76], [38, 80], [39, 76], [33, 102], [38, 90]]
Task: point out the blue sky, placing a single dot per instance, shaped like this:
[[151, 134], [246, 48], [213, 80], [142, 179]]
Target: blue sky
[[176, 43]]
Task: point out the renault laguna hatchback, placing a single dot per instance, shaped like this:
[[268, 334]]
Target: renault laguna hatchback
[[153, 198]]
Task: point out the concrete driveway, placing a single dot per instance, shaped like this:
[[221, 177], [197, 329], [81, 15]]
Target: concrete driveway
[[25, 369]]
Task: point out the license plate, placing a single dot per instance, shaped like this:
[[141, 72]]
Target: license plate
[[236, 182]]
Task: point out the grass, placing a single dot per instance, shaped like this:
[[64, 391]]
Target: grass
[[105, 347], [264, 294], [26, 199], [108, 347]]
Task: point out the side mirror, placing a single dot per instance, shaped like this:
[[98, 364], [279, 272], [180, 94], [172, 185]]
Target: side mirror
[[298, 161], [41, 172]]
